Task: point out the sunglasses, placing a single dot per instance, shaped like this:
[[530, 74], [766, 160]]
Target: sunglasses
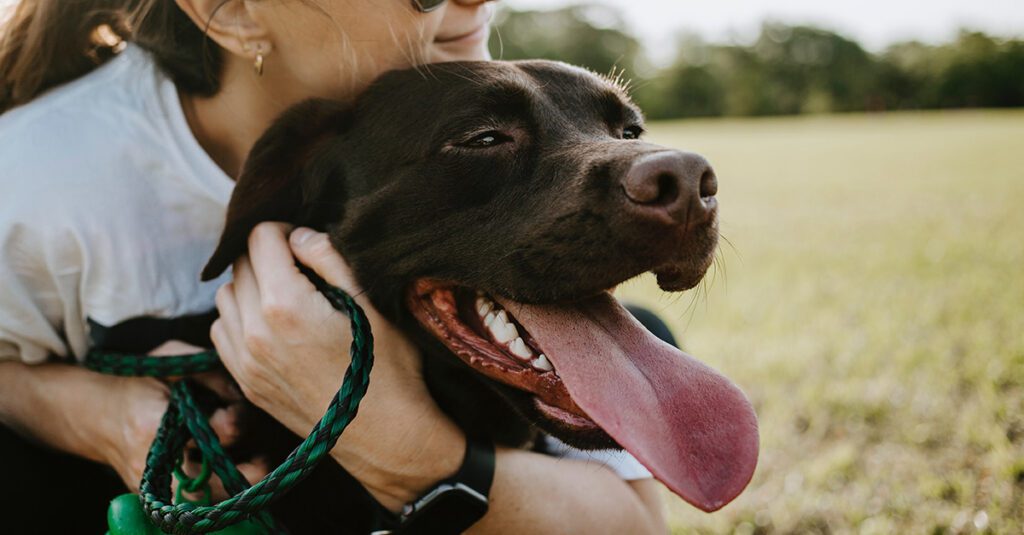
[[426, 6]]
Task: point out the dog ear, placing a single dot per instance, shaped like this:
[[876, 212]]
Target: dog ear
[[288, 168]]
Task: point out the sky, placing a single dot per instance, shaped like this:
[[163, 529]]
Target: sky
[[874, 23]]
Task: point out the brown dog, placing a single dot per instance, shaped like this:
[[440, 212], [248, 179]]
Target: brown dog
[[487, 208]]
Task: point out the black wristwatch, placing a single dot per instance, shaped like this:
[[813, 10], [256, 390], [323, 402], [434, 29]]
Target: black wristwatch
[[457, 502]]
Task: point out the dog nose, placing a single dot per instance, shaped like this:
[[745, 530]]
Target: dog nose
[[675, 184]]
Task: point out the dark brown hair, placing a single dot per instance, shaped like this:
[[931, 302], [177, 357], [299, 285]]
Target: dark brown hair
[[49, 42]]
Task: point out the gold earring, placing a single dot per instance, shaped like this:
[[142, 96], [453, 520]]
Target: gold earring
[[257, 65]]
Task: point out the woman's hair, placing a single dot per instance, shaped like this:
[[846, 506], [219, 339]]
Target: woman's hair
[[48, 42]]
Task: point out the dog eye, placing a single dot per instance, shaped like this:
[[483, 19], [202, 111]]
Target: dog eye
[[486, 139], [632, 132]]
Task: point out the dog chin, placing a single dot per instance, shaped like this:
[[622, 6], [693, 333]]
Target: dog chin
[[687, 272], [679, 278], [573, 429]]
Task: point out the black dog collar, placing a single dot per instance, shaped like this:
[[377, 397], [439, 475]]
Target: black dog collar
[[457, 502]]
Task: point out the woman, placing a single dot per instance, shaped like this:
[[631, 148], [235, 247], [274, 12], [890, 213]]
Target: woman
[[120, 175]]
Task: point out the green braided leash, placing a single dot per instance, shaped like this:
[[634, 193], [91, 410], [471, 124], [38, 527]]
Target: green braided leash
[[184, 420]]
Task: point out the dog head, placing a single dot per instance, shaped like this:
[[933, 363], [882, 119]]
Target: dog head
[[491, 206]]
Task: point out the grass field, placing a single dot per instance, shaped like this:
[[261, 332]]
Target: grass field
[[871, 304]]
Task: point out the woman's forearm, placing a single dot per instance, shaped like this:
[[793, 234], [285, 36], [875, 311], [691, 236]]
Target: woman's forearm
[[531, 493], [103, 418], [535, 493], [57, 404]]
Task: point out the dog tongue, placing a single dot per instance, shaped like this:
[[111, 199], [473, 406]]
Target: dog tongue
[[690, 426]]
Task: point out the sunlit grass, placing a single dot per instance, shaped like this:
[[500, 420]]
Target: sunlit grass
[[871, 304]]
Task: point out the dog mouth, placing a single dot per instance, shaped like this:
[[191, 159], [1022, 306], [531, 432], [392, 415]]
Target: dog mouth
[[491, 340], [591, 369]]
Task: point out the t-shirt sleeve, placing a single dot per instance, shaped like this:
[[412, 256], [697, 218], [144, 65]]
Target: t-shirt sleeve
[[40, 273], [618, 461]]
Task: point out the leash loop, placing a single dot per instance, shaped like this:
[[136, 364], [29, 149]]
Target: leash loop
[[192, 484]]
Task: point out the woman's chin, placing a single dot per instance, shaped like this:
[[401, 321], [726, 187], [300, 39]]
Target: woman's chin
[[470, 50]]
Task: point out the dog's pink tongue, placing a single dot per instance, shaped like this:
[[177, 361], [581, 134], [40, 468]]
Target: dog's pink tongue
[[690, 426]]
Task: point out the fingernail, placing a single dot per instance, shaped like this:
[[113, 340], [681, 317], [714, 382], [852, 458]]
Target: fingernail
[[301, 235]]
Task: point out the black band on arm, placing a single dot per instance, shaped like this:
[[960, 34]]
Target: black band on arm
[[456, 503], [477, 470]]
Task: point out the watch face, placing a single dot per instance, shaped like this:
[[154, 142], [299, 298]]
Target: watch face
[[447, 510]]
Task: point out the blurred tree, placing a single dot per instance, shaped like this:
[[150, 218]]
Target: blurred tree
[[786, 70], [685, 91], [591, 36], [689, 88], [907, 76], [801, 69], [982, 72]]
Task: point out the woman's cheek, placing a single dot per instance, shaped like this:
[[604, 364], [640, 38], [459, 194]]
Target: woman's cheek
[[341, 49]]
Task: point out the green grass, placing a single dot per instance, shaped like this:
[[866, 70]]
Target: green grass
[[871, 304]]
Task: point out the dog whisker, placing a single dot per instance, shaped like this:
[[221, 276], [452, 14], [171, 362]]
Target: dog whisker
[[617, 78], [731, 245]]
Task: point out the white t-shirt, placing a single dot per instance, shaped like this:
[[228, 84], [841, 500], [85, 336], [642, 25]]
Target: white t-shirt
[[109, 209]]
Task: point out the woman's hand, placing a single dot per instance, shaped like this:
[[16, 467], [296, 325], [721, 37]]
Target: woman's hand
[[288, 349], [136, 406]]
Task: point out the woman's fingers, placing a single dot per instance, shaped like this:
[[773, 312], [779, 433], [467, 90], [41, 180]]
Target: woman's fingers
[[254, 470], [268, 280], [226, 330], [231, 337], [219, 383], [271, 260], [174, 347], [224, 422], [249, 301], [142, 402], [314, 250]]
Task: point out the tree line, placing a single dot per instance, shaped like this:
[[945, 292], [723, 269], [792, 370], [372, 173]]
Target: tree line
[[786, 70]]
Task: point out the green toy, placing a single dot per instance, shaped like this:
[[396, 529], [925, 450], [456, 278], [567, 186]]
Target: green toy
[[125, 516]]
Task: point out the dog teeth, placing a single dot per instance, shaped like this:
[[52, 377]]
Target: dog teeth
[[504, 332], [484, 306], [501, 328], [542, 363], [519, 349]]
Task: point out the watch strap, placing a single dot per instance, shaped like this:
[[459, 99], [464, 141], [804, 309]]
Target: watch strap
[[477, 470], [456, 502]]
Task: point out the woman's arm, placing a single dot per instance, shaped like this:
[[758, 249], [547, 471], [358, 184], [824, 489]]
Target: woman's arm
[[536, 493], [107, 419], [102, 418], [280, 339]]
